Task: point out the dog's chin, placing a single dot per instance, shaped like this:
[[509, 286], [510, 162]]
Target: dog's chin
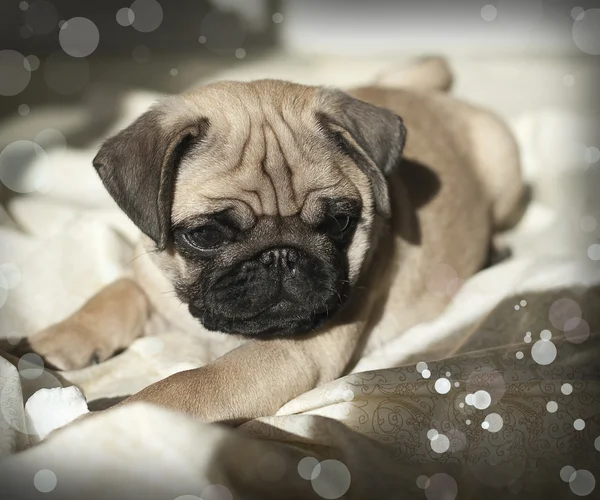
[[269, 324]]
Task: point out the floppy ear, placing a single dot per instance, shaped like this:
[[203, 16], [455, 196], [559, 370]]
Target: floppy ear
[[374, 137], [138, 167]]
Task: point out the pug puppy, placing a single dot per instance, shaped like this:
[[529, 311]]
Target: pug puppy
[[301, 226]]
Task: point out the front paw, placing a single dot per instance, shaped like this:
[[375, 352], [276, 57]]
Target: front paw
[[68, 345]]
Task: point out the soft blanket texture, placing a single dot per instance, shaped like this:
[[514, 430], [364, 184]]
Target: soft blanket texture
[[500, 392]]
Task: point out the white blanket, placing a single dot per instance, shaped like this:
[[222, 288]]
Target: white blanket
[[59, 247]]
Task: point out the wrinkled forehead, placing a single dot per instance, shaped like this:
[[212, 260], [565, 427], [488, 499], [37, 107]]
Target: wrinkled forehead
[[264, 151]]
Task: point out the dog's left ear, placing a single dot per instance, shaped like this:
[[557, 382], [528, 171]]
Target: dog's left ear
[[373, 136], [138, 167]]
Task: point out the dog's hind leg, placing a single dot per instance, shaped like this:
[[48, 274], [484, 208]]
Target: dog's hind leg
[[427, 73]]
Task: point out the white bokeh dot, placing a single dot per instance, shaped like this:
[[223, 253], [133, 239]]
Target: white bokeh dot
[[456, 384], [543, 352], [307, 467], [440, 443], [426, 374], [79, 37], [31, 366], [582, 483], [333, 480], [461, 405], [576, 12], [45, 481], [577, 331], [443, 385], [551, 406], [202, 39], [485, 425], [517, 307], [422, 482], [523, 303], [14, 76], [32, 63], [545, 334], [568, 80], [125, 16], [566, 389], [24, 109], [431, 433], [482, 400], [174, 72], [494, 422], [469, 398], [527, 339], [448, 374], [489, 12], [563, 311], [588, 223], [348, 395], [50, 138], [519, 355], [240, 53], [148, 15], [585, 32], [579, 424], [566, 473], [594, 251], [23, 5], [24, 167], [421, 365], [468, 422], [441, 487], [592, 154], [597, 443], [277, 17]]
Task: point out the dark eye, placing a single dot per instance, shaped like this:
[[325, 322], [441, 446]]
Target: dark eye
[[205, 238], [338, 226]]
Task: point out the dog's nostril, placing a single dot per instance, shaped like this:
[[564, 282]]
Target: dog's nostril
[[268, 258], [291, 257], [287, 257]]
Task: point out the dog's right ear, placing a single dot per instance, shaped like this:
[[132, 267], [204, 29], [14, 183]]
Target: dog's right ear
[[138, 167]]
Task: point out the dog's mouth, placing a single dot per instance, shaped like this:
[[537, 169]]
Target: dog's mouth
[[283, 319]]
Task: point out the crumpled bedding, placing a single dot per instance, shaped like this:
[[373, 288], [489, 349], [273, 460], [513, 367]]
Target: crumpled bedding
[[464, 406]]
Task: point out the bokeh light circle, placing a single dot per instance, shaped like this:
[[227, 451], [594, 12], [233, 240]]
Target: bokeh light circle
[[582, 483], [563, 311], [24, 167], [333, 480], [31, 63], [443, 386], [585, 32], [148, 15], [45, 481], [307, 467], [79, 37], [543, 352], [125, 16], [14, 76], [489, 12], [441, 487], [41, 17]]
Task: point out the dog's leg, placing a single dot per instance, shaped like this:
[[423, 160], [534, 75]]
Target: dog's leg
[[427, 73], [257, 378], [107, 323]]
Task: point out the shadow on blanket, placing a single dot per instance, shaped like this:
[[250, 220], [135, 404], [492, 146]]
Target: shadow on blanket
[[504, 426]]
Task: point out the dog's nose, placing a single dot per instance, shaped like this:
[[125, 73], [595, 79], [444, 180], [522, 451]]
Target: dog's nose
[[285, 257]]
